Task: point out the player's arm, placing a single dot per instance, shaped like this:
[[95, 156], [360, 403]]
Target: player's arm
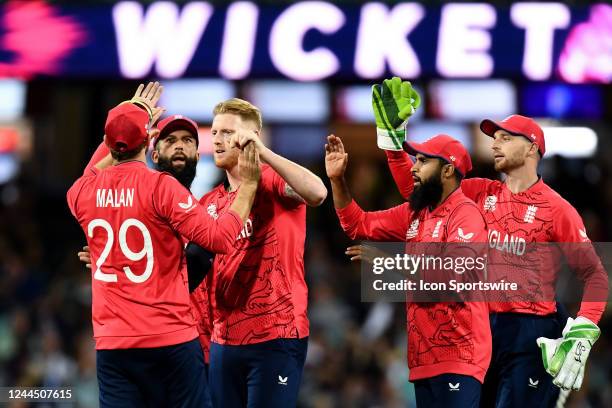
[[175, 204], [385, 225], [565, 358], [569, 231], [99, 160], [301, 184], [250, 172], [393, 102], [400, 166], [145, 97]]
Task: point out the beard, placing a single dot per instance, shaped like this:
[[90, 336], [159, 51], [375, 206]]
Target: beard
[[427, 194], [509, 163], [228, 161], [184, 175]]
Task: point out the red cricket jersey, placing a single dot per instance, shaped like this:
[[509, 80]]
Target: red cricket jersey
[[442, 337], [257, 291], [538, 214], [133, 218]]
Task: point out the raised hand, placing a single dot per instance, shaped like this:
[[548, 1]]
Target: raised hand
[[249, 164], [243, 136], [148, 96], [393, 102], [336, 158]]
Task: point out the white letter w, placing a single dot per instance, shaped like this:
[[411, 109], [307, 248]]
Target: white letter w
[[160, 36]]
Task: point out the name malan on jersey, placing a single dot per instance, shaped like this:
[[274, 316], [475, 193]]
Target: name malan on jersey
[[107, 197]]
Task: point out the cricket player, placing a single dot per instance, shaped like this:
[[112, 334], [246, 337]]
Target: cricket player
[[257, 291], [449, 344], [520, 208], [175, 151], [146, 339], [178, 155]]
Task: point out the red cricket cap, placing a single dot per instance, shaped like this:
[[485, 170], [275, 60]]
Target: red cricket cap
[[517, 125], [176, 122], [126, 127], [443, 147]]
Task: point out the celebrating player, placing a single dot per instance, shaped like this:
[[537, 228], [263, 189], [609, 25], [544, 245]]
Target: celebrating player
[[147, 352], [175, 150], [522, 207], [257, 291], [447, 369]]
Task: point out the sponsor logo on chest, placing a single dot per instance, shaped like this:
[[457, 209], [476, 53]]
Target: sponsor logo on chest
[[490, 203]]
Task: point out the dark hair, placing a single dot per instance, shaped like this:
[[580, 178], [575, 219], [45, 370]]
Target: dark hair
[[127, 154]]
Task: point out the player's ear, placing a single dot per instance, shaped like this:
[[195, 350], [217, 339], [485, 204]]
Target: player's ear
[[155, 155], [533, 151], [448, 171]]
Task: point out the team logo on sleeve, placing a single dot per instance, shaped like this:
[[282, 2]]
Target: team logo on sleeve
[[530, 214], [413, 230], [464, 237], [188, 206], [490, 203]]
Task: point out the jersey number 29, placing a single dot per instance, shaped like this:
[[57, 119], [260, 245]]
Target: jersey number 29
[[147, 249]]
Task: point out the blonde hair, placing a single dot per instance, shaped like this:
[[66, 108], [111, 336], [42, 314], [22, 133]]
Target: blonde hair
[[236, 106]]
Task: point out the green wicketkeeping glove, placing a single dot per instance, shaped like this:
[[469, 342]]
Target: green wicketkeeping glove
[[565, 358], [393, 101]]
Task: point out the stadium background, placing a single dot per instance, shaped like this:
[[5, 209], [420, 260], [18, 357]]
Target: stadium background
[[58, 82]]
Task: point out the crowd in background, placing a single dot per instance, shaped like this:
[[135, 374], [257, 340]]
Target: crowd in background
[[357, 351]]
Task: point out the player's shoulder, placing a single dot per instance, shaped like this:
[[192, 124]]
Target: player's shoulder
[[156, 177], [479, 189], [81, 182], [481, 182], [464, 207], [460, 199]]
